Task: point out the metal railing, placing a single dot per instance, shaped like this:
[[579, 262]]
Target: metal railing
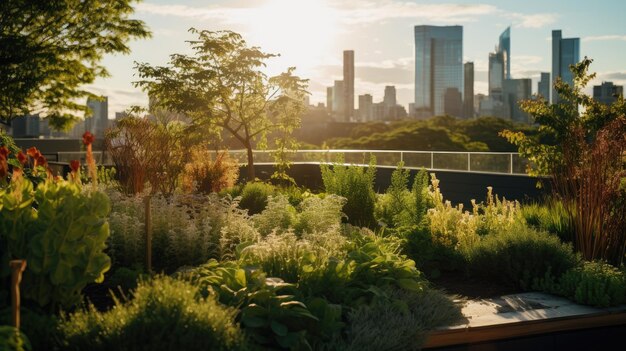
[[488, 162]]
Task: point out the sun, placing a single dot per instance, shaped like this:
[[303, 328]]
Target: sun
[[302, 32]]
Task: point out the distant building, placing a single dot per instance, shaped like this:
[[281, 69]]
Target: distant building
[[412, 113], [468, 90], [453, 102], [514, 91], [543, 86], [379, 111], [565, 52], [338, 101], [25, 126], [438, 66], [478, 98], [496, 75], [348, 81], [98, 122], [504, 48], [366, 108], [607, 92], [329, 99], [390, 96]]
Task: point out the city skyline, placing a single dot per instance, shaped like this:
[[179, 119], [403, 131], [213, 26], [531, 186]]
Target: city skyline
[[381, 35]]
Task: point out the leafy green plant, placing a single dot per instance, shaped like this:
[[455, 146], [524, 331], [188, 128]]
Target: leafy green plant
[[594, 283], [164, 314], [40, 325], [11, 339], [519, 257], [356, 184], [550, 216], [63, 240], [254, 196]]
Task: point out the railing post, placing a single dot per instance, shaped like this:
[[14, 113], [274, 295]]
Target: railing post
[[432, 159], [148, 229], [17, 267], [511, 165], [469, 160], [401, 156]]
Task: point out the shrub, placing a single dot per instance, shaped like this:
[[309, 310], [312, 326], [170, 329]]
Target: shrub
[[205, 175], [40, 325], [11, 339], [594, 283], [254, 196], [278, 216], [400, 322], [164, 314], [356, 184], [550, 216], [519, 257]]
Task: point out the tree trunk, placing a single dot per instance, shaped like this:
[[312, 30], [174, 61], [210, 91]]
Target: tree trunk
[[251, 174]]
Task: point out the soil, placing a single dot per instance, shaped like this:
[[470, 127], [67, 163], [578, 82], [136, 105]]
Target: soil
[[456, 283]]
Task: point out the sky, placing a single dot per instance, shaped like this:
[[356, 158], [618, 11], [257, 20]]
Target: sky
[[312, 34]]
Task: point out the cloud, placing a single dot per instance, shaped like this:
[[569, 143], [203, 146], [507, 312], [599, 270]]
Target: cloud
[[605, 38], [537, 20]]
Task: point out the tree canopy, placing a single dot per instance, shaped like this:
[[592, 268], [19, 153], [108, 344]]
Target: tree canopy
[[222, 87], [50, 49]]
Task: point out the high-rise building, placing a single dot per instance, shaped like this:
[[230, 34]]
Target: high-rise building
[[504, 47], [565, 52], [543, 86], [468, 90], [607, 92], [514, 91], [329, 99], [25, 126], [496, 75], [366, 108], [98, 122], [348, 81], [438, 66], [338, 100], [390, 96], [453, 102]]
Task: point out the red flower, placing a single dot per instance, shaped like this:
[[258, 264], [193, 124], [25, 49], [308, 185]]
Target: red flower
[[4, 151], [41, 161], [22, 158], [33, 152], [88, 138], [74, 165]]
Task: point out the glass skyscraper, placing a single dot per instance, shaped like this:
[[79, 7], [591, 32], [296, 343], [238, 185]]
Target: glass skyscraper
[[565, 52], [438, 66], [504, 47]]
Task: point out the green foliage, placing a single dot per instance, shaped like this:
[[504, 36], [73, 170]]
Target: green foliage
[[594, 283], [400, 322], [63, 240], [222, 87], [11, 339], [205, 175], [53, 48], [254, 196], [41, 326], [519, 257], [164, 314], [550, 216], [356, 184]]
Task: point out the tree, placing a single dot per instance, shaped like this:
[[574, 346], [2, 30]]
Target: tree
[[221, 87], [586, 164], [49, 49]]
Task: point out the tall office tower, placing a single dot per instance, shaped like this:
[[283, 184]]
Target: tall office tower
[[565, 52], [366, 108], [329, 99], [514, 91], [496, 75], [348, 81], [504, 47], [98, 122], [468, 90], [390, 96], [607, 92], [453, 102], [543, 86], [438, 66], [338, 101]]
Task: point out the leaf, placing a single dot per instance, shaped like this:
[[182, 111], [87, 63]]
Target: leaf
[[279, 328], [410, 284]]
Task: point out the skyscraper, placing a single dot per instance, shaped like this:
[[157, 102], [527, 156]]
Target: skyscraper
[[348, 81], [438, 66], [329, 99], [504, 47], [468, 90], [607, 92], [514, 91], [565, 52], [366, 108], [543, 86], [98, 122], [390, 96], [338, 100]]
